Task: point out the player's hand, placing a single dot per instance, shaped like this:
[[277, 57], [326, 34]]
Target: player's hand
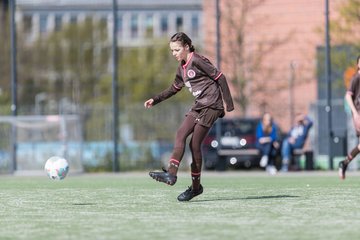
[[149, 103]]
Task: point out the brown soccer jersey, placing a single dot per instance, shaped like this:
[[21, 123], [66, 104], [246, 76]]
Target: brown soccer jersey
[[203, 80], [354, 90]]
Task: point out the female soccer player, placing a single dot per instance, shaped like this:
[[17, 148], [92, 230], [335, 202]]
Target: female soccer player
[[209, 87], [352, 97]]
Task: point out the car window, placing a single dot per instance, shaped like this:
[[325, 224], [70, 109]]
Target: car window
[[236, 128]]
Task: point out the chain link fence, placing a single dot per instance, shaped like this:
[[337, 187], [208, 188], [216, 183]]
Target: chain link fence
[[84, 137]]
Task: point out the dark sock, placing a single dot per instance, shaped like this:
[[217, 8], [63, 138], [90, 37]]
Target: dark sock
[[195, 177], [173, 166], [352, 155]]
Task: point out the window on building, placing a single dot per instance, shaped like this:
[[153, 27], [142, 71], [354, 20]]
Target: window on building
[[27, 23], [195, 25], [73, 19], [58, 22], [149, 26], [179, 24], [164, 25], [134, 25], [103, 22], [43, 23]]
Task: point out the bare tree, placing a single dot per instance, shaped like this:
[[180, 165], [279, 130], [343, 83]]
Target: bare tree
[[345, 28], [246, 65]]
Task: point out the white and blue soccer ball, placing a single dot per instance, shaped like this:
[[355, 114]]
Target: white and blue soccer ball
[[56, 168]]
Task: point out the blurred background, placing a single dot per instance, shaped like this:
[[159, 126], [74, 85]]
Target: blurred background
[[73, 73]]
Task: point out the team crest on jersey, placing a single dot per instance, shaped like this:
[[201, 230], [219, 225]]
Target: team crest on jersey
[[191, 73]]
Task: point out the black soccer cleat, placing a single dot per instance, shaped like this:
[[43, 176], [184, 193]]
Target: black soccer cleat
[[190, 194], [164, 177], [342, 169]]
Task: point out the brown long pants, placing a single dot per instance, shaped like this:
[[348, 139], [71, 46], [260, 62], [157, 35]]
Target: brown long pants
[[198, 124], [189, 126]]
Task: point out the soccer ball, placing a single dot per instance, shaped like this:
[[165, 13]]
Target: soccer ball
[[56, 168]]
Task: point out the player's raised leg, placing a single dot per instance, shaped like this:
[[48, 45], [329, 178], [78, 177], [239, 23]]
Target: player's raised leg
[[169, 176]]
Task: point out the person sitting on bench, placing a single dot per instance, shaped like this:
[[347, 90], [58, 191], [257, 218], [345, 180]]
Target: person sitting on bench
[[267, 142], [295, 139]]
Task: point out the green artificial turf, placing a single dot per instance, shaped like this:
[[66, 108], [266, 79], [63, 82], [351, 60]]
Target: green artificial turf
[[235, 205]]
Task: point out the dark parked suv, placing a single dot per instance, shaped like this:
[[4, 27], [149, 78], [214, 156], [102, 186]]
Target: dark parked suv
[[231, 143]]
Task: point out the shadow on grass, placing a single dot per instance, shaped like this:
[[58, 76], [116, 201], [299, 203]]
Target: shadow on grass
[[247, 198]]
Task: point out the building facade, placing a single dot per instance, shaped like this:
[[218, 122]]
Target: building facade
[[286, 36], [139, 21], [289, 69]]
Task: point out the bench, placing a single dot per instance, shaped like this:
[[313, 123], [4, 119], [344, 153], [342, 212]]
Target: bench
[[296, 156]]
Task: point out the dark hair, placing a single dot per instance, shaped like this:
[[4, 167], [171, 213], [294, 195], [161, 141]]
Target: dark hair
[[357, 62], [184, 39]]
